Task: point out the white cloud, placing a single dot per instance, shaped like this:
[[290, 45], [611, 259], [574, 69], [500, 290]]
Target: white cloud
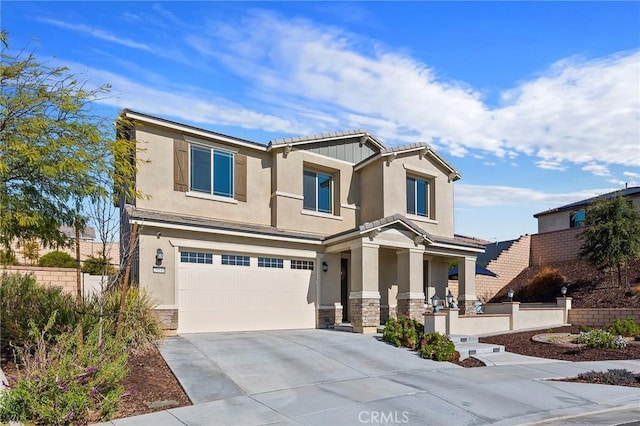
[[551, 165], [597, 169], [490, 195], [568, 114], [632, 174]]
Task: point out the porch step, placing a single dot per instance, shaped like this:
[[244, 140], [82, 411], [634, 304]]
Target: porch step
[[458, 338], [343, 327], [468, 349]]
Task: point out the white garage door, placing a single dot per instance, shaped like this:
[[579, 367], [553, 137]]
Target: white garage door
[[268, 294]]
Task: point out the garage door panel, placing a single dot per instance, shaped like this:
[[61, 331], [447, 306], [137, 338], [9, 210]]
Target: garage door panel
[[235, 298]]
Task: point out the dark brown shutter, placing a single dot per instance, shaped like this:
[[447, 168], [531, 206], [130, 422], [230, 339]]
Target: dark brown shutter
[[240, 177], [180, 165]]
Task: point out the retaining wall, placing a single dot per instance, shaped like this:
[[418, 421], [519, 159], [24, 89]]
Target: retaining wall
[[599, 317]]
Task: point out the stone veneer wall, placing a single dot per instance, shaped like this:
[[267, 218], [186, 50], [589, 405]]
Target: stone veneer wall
[[556, 246], [507, 266], [599, 317], [365, 314], [412, 308], [168, 318], [329, 315]]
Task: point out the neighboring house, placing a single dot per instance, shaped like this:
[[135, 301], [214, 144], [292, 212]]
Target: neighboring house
[[573, 215], [303, 232]]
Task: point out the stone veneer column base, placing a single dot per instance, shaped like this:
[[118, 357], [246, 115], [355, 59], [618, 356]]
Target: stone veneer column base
[[329, 315], [411, 308], [365, 315], [467, 307], [168, 318]]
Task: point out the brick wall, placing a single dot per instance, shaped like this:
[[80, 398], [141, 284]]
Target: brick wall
[[507, 266], [87, 248], [556, 246], [601, 317], [61, 277]]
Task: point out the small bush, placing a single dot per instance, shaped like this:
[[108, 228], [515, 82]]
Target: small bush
[[438, 347], [22, 300], [617, 377], [584, 329], [8, 258], [628, 327], [75, 381], [543, 287], [57, 259], [98, 266], [403, 332], [140, 326], [601, 339]]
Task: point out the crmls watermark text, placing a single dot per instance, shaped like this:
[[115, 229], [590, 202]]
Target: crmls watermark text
[[386, 417]]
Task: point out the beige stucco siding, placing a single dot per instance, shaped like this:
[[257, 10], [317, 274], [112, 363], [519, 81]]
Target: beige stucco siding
[[371, 192], [554, 222], [155, 179], [288, 194], [441, 199]]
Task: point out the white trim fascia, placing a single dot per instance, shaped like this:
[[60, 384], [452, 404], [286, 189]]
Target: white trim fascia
[[246, 234], [185, 129], [366, 163], [286, 195], [320, 214], [371, 139], [210, 197], [364, 295], [408, 295], [243, 248], [419, 170]]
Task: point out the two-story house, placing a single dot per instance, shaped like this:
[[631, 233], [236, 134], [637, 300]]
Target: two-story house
[[302, 232]]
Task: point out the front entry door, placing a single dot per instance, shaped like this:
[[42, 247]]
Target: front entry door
[[344, 288]]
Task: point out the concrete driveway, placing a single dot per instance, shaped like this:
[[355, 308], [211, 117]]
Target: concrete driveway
[[322, 377]]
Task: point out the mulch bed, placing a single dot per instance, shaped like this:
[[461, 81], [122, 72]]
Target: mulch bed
[[521, 343]]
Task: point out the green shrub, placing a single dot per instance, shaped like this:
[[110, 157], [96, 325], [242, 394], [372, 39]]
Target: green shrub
[[584, 329], [8, 258], [403, 332], [140, 325], [628, 327], [98, 266], [438, 347], [75, 381], [601, 339], [616, 377], [57, 259], [22, 300]]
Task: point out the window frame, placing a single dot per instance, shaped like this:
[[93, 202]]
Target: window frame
[[414, 199], [235, 260], [188, 257], [302, 265], [330, 198], [215, 152], [270, 262], [573, 223]]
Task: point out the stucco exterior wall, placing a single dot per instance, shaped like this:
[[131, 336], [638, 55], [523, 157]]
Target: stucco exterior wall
[[155, 179], [554, 221], [441, 196], [371, 193], [288, 192]]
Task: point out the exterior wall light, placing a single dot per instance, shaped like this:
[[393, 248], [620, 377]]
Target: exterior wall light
[[510, 294], [449, 298], [325, 267], [159, 256], [434, 301], [563, 290]]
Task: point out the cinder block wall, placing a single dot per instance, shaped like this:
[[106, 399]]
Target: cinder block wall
[[556, 246], [87, 248], [61, 277], [507, 266], [601, 317]]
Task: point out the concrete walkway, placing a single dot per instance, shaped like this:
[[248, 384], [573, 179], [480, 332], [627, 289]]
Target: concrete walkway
[[320, 377]]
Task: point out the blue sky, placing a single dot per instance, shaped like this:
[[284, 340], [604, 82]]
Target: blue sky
[[536, 104]]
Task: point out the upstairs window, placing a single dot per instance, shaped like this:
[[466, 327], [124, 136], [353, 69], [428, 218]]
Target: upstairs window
[[417, 196], [318, 191], [211, 171], [577, 219]]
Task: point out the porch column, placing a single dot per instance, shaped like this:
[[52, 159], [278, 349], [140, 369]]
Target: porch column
[[410, 284], [364, 299], [467, 285]]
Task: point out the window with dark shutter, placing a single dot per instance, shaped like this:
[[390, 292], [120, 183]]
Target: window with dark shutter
[[240, 177]]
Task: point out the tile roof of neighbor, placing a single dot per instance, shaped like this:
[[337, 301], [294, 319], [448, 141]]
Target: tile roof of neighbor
[[624, 192]]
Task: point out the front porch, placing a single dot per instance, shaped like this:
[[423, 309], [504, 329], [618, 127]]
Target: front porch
[[390, 269]]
